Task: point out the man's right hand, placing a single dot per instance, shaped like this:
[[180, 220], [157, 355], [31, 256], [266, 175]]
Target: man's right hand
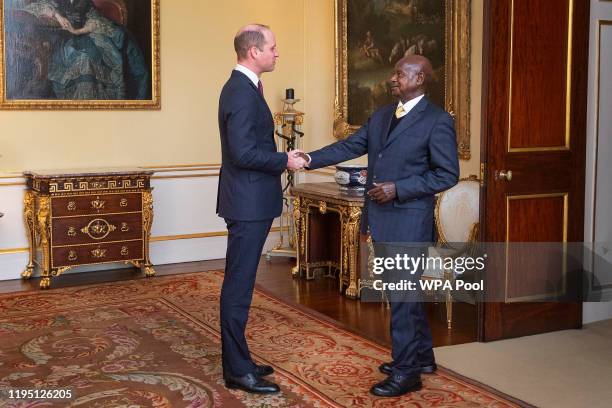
[[303, 155], [296, 160]]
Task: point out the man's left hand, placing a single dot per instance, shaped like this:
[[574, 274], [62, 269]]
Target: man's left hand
[[383, 192]]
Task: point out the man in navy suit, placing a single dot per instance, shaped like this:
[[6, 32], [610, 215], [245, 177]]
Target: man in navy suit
[[412, 155], [249, 197]]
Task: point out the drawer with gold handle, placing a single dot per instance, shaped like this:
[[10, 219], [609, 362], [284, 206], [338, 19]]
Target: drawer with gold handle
[[100, 253], [96, 204], [93, 229]]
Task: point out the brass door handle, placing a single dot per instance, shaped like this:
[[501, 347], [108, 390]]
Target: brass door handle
[[503, 174]]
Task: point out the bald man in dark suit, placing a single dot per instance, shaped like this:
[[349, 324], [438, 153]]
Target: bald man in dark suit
[[412, 155]]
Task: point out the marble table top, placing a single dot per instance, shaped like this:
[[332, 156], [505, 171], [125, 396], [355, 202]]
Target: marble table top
[[327, 190]]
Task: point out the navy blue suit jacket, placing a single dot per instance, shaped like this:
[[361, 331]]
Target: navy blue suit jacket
[[250, 180], [420, 156]]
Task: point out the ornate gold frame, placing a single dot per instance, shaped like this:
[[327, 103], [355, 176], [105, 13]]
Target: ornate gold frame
[[457, 86], [150, 104]]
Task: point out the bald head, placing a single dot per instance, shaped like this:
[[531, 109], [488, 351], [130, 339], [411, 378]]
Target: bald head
[[251, 35], [417, 63], [411, 76]]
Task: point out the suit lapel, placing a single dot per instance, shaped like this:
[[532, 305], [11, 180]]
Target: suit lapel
[[247, 82], [411, 118], [250, 83], [386, 125]]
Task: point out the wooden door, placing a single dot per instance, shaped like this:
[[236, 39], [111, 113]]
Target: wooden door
[[534, 112]]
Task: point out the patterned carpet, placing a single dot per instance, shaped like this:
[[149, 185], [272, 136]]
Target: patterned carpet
[[155, 343]]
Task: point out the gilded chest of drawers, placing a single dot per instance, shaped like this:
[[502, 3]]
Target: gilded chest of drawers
[[87, 217]]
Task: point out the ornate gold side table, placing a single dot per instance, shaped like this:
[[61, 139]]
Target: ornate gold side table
[[87, 217], [323, 241]]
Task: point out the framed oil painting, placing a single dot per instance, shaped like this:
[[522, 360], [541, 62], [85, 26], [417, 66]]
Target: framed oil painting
[[79, 54], [372, 35]]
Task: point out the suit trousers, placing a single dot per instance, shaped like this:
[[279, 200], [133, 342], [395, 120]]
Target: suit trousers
[[412, 345], [244, 245], [411, 341]]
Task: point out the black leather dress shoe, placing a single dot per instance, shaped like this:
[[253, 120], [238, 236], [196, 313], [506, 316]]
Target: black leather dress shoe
[[396, 385], [263, 370], [251, 383], [387, 368]]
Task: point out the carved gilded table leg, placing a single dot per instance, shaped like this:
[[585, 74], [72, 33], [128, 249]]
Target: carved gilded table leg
[[344, 251], [28, 216], [147, 220], [305, 264], [44, 231], [352, 238], [297, 217]]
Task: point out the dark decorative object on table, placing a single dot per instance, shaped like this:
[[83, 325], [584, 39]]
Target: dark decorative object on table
[[351, 178]]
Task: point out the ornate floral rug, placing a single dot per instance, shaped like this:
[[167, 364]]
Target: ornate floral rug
[[155, 343]]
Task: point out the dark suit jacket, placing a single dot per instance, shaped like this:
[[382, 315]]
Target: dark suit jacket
[[420, 156], [250, 180]]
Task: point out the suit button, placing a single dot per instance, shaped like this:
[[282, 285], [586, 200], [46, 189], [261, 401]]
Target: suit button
[[375, 176], [379, 155]]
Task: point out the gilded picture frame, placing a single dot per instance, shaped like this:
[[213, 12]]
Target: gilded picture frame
[[366, 61], [80, 55]]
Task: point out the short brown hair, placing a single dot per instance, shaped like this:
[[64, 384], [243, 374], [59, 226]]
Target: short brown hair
[[251, 37]]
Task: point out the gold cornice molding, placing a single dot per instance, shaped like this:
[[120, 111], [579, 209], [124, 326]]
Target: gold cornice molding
[[327, 171], [161, 238], [157, 168], [212, 167], [16, 183], [7, 251], [166, 170], [161, 169], [197, 235], [200, 175]]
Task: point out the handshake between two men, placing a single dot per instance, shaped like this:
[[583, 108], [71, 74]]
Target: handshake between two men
[[297, 159], [381, 193]]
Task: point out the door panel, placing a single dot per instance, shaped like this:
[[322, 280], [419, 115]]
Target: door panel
[[534, 105], [539, 60], [550, 211]]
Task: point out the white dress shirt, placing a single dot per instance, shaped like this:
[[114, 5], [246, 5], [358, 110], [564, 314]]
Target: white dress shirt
[[250, 74], [409, 104]]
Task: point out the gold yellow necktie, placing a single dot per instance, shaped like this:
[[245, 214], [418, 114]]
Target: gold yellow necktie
[[399, 111]]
